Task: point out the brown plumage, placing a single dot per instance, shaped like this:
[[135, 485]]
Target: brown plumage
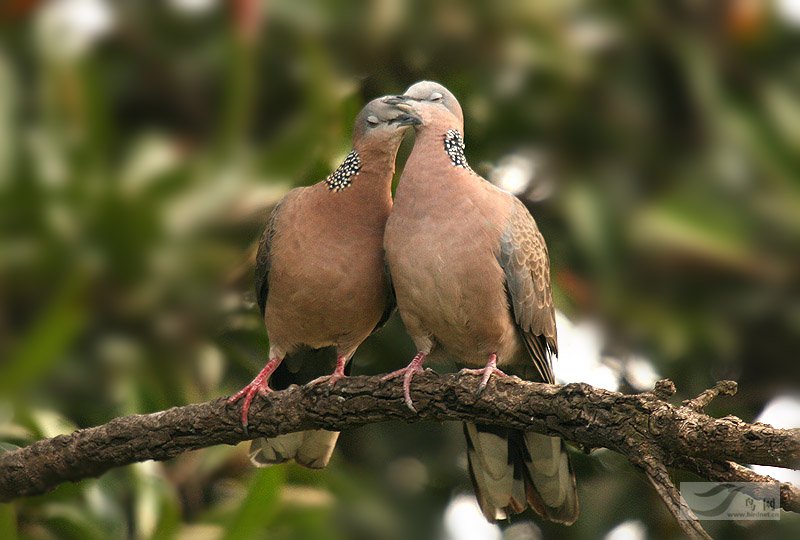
[[320, 276], [472, 281]]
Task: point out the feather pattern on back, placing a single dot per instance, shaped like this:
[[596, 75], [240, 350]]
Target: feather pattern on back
[[524, 258]]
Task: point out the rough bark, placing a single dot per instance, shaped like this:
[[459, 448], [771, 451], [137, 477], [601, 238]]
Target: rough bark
[[651, 432]]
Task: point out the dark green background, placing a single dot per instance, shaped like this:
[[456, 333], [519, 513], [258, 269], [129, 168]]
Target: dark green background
[[134, 179]]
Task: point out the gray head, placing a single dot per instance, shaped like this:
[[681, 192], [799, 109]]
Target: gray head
[[379, 123], [433, 92]]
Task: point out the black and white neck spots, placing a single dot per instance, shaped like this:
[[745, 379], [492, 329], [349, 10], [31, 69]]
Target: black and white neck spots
[[342, 177], [454, 146]]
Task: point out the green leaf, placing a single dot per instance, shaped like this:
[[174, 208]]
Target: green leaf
[[50, 336], [8, 522], [259, 507]]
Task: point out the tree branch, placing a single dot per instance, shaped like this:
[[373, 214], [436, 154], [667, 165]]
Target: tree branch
[[658, 476], [728, 471], [646, 428]]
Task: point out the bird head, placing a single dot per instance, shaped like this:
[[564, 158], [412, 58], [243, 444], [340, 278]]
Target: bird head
[[381, 123], [431, 103]]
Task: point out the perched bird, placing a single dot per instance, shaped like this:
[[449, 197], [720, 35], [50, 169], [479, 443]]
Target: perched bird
[[472, 281], [320, 276]]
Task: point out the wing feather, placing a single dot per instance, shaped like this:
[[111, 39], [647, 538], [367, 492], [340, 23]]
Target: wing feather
[[525, 261], [391, 300], [263, 259]]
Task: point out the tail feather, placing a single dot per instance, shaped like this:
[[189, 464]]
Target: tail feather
[[311, 449], [549, 468], [543, 451], [489, 460], [511, 470]]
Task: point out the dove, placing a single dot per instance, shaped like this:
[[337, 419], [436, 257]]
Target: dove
[[320, 277], [471, 276]]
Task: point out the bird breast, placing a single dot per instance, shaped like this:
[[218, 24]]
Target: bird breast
[[448, 282], [327, 283]]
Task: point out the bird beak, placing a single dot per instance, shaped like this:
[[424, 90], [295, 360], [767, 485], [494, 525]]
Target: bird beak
[[407, 115], [395, 100], [406, 119]]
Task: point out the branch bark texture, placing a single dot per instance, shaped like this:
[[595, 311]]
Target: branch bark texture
[[650, 431]]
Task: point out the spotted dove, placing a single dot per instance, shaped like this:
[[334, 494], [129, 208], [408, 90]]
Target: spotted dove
[[320, 277], [472, 282]]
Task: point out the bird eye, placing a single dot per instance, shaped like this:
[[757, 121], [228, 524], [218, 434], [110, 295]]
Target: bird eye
[[436, 96], [373, 120]]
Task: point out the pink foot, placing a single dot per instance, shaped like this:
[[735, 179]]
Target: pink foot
[[337, 375], [408, 372], [486, 372], [259, 385]]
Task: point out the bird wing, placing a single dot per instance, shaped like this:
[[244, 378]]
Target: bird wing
[[523, 256], [391, 300], [263, 259]]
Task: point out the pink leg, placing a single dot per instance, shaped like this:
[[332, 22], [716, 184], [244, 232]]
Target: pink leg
[[486, 372], [337, 374], [259, 385], [408, 372]]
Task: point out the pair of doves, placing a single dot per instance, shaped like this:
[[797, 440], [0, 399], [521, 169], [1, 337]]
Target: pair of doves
[[462, 260]]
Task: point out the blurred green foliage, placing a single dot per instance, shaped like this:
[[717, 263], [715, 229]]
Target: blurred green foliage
[[140, 155]]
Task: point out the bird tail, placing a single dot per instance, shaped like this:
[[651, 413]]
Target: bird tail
[[513, 469], [311, 449]]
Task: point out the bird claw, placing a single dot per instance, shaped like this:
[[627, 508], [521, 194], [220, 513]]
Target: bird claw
[[394, 374], [259, 385], [408, 372], [336, 376], [331, 379], [486, 373], [407, 400]]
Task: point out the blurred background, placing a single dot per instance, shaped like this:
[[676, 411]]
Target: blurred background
[[143, 144]]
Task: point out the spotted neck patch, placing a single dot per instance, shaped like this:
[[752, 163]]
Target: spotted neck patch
[[342, 177], [454, 146]]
